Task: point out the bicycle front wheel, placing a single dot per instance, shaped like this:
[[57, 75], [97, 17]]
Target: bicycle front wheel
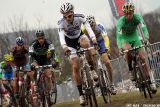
[[144, 82], [91, 96], [104, 86]]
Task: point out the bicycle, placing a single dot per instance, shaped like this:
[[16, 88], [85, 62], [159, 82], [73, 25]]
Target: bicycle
[[141, 79], [87, 80], [22, 87], [103, 80], [46, 93]]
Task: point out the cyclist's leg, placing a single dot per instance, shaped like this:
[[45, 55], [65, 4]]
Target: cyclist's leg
[[91, 55], [31, 78], [32, 73], [72, 45], [76, 75], [103, 51], [48, 74], [126, 45], [15, 82], [142, 55]]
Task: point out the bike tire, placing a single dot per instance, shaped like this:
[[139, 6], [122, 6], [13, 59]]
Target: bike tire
[[90, 83], [146, 86], [54, 94], [22, 97], [104, 86], [47, 95]]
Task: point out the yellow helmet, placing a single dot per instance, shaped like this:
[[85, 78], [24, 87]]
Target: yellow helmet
[[128, 7], [8, 58]]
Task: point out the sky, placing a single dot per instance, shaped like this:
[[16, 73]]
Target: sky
[[46, 13]]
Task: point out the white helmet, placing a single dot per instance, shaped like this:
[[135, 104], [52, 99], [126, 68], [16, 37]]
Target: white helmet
[[19, 41], [66, 7]]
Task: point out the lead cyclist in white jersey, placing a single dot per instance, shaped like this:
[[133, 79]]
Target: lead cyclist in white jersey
[[71, 37]]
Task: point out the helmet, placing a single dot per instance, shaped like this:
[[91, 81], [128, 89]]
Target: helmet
[[128, 7], [39, 33], [66, 7], [8, 57], [19, 41], [90, 19]]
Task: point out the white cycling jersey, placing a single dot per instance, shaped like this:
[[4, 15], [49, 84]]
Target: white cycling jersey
[[73, 30]]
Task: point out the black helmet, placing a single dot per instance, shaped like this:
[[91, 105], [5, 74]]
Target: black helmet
[[39, 33]]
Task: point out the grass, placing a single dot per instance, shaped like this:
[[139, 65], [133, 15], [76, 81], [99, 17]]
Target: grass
[[120, 100]]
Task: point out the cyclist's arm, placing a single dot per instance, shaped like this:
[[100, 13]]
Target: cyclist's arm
[[106, 39], [89, 30], [2, 65], [62, 38], [51, 51], [104, 35], [51, 48], [53, 55], [144, 27], [31, 54]]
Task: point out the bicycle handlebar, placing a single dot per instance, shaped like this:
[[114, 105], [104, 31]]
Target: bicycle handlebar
[[134, 48], [82, 50], [44, 66]]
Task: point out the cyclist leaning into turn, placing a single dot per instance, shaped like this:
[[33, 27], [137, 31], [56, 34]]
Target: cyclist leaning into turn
[[103, 44], [71, 37], [128, 37]]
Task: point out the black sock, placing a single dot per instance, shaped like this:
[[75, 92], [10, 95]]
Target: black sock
[[80, 89]]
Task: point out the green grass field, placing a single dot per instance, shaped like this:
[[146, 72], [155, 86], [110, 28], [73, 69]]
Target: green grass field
[[122, 100]]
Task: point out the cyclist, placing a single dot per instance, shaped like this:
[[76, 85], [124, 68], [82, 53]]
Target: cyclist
[[128, 37], [20, 54], [42, 53], [6, 73], [71, 37], [103, 44]]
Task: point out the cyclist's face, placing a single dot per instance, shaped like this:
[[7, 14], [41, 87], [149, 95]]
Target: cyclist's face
[[129, 16], [9, 62], [41, 39], [93, 25], [68, 16], [19, 47]]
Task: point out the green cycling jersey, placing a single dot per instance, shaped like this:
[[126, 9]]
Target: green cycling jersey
[[126, 31]]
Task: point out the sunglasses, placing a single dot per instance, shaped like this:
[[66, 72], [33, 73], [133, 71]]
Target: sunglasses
[[39, 38], [20, 45], [68, 16]]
